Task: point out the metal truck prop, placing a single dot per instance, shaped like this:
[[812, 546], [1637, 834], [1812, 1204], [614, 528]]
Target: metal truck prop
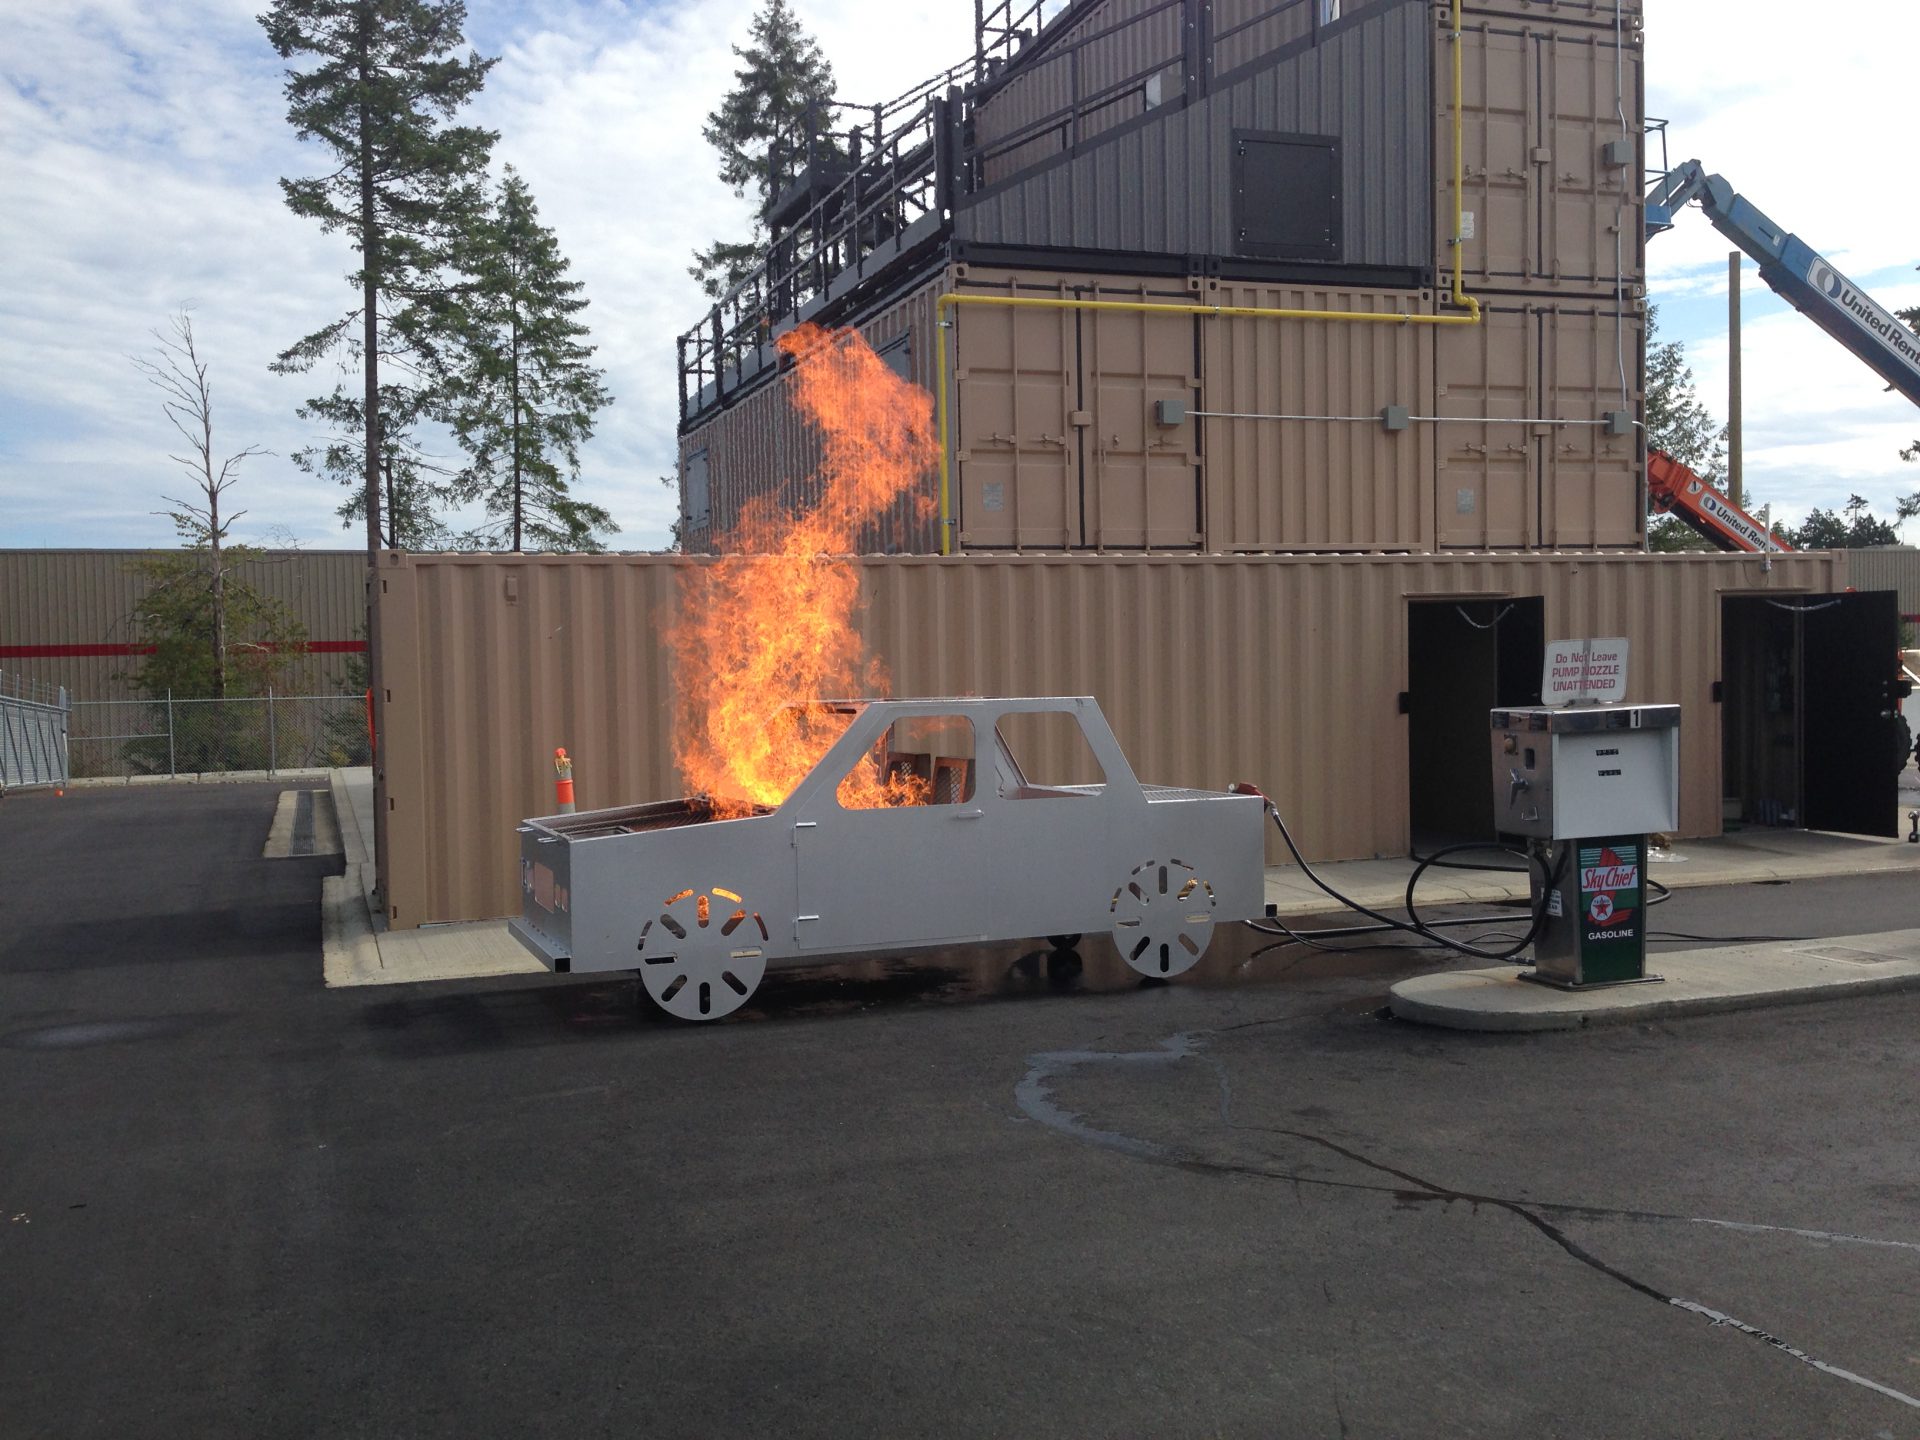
[[965, 848]]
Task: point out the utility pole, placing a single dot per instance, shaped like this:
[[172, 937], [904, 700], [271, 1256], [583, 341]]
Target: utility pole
[[1734, 479]]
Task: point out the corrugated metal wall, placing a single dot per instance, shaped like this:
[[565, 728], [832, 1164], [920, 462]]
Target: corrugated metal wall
[[1166, 185], [1081, 90], [760, 446], [1896, 569], [1281, 670], [1540, 102], [79, 601], [1508, 475], [1588, 12], [1336, 484]]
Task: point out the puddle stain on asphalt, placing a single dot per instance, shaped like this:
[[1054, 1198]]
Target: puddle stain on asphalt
[[1035, 1099], [84, 1033]]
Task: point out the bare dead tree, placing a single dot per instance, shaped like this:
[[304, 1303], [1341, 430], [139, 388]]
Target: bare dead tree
[[178, 372]]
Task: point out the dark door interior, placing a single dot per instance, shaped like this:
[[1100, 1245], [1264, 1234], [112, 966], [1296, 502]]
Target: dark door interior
[[1760, 725], [1850, 738], [1807, 723], [1464, 658]]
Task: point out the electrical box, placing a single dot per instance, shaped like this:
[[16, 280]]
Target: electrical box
[[1586, 770], [1169, 413]]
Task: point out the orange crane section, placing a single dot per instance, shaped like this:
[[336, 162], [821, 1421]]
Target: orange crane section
[[1676, 490]]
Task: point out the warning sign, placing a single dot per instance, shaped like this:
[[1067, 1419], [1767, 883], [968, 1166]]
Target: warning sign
[[1585, 670]]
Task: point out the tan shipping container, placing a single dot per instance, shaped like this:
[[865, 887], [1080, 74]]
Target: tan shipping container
[[1285, 671], [759, 446], [1525, 458], [1341, 481], [1548, 210], [1571, 12]]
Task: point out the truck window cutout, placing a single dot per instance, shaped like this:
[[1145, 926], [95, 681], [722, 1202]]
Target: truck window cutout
[[1054, 759], [926, 760]]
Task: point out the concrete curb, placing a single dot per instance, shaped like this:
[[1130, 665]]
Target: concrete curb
[[1697, 982]]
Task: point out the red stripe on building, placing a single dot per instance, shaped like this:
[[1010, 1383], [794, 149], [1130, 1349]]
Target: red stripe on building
[[86, 652]]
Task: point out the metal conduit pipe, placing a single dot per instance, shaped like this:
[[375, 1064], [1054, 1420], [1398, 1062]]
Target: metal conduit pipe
[[1458, 299], [1412, 419]]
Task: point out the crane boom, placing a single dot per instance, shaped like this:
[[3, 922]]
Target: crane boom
[[1799, 274]]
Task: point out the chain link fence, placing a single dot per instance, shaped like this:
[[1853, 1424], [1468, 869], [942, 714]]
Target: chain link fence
[[200, 737]]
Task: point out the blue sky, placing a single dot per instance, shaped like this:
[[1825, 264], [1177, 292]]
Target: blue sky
[[139, 146]]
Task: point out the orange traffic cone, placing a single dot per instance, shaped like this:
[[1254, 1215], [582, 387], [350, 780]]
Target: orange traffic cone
[[562, 783]]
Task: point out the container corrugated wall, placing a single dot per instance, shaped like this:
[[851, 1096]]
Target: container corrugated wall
[[1285, 671], [1166, 186], [1341, 483], [77, 601], [759, 446], [1528, 461], [1574, 12], [1891, 568], [1540, 103]]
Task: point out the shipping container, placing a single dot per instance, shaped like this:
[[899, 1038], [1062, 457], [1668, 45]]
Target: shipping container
[[1309, 463], [1527, 456], [1547, 207], [1293, 672], [757, 446], [1313, 153], [1602, 13]]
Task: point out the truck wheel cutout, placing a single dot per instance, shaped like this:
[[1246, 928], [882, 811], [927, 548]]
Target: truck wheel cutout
[[1163, 918], [703, 954]]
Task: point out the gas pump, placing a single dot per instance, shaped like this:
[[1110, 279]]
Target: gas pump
[[1586, 784]]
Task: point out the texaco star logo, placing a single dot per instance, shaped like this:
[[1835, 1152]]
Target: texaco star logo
[[1600, 909]]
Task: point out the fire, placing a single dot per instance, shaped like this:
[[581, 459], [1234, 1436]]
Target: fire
[[763, 633]]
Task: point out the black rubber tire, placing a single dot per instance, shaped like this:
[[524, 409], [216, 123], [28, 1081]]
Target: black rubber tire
[[1063, 942]]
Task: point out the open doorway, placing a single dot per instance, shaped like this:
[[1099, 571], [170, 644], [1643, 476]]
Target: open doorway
[[1808, 728], [1464, 658]]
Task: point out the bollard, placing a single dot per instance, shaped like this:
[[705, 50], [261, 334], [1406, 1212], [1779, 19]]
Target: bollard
[[562, 783]]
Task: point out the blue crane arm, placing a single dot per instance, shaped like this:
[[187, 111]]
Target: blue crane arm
[[1798, 273]]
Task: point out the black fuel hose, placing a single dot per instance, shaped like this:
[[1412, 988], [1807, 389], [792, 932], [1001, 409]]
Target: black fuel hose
[[1413, 924]]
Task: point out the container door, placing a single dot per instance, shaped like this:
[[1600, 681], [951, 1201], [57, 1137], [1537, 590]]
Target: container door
[[1143, 485], [1850, 646], [1016, 450]]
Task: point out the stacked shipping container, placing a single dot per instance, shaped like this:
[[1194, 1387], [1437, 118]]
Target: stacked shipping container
[[1183, 194]]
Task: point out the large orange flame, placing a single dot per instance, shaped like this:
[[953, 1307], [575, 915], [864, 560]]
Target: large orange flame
[[764, 634]]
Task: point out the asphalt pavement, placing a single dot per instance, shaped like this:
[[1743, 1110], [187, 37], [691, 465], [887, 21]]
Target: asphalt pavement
[[984, 1193]]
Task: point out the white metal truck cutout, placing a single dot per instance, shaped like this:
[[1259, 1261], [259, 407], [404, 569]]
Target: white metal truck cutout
[[916, 827]]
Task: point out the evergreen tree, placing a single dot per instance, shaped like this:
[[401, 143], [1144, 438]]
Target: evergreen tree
[[782, 88], [415, 485], [1853, 528], [377, 83], [523, 399], [1678, 423]]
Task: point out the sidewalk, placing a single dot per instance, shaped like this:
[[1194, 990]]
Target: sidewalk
[[358, 947], [1736, 859], [1693, 982], [360, 950]]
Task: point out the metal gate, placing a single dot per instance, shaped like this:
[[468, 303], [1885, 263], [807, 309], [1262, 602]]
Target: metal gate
[[33, 732]]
